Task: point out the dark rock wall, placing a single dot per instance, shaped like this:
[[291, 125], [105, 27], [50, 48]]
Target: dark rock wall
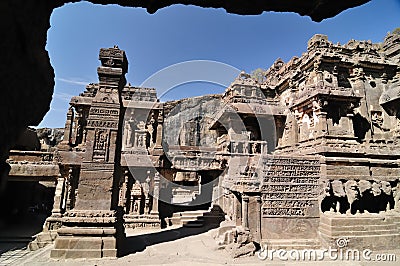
[[27, 77], [316, 9]]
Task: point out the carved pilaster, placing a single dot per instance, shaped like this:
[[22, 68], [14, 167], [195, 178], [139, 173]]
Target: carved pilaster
[[68, 129], [123, 191], [245, 211], [258, 219], [58, 197], [160, 120], [321, 124], [237, 214], [68, 190], [156, 193]]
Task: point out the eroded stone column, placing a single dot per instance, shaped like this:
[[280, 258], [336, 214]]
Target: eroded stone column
[[93, 229]]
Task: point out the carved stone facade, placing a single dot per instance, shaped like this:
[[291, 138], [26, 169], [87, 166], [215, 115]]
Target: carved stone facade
[[93, 227], [33, 20], [340, 106], [292, 158]]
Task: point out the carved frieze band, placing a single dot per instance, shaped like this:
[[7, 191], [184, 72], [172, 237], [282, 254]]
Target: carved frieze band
[[104, 112], [103, 124], [290, 187]]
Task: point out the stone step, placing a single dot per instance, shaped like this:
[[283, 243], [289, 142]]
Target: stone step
[[192, 213], [361, 228], [345, 233], [184, 220], [197, 218]]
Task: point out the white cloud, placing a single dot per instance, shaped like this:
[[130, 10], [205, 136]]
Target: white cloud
[[74, 81], [63, 96]]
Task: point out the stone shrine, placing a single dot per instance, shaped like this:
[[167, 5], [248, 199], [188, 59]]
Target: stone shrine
[[300, 155], [93, 227]]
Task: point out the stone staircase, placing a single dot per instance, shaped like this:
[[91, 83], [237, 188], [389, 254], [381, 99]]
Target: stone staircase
[[376, 231], [197, 218]]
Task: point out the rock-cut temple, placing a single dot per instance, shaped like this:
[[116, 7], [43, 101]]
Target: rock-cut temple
[[297, 156]]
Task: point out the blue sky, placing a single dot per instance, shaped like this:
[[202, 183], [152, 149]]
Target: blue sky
[[182, 33]]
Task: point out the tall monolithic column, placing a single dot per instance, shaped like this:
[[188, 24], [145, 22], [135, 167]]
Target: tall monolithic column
[[93, 229]]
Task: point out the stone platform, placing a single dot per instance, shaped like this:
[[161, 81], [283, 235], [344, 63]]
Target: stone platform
[[373, 231]]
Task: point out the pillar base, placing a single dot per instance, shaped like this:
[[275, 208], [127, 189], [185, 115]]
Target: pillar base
[[88, 234]]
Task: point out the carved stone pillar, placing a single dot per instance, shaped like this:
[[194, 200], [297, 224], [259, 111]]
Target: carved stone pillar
[[264, 147], [350, 118], [78, 126], [245, 146], [94, 229], [68, 128], [156, 193], [122, 194], [74, 127], [245, 211], [258, 219], [321, 126], [58, 197], [68, 190], [150, 128], [237, 210], [125, 135], [160, 120], [146, 192]]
